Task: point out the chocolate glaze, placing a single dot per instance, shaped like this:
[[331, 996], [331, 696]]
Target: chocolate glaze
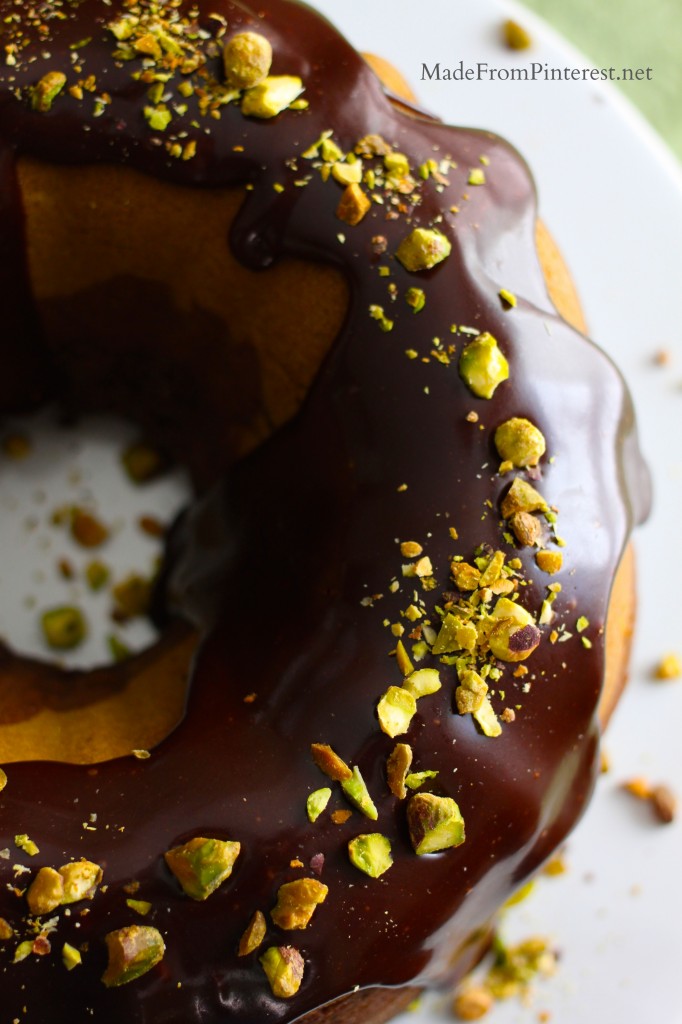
[[273, 563]]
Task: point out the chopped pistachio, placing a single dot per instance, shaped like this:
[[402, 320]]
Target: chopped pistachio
[[423, 249], [512, 638], [482, 366], [142, 462], [247, 58], [271, 96], [521, 497], [23, 950], [330, 763], [117, 649], [86, 529], [158, 118], [417, 779], [26, 844], [6, 930], [669, 667], [46, 892], [493, 570], [526, 528], [455, 635], [471, 692], [97, 575], [549, 561], [132, 952], [356, 790], [472, 1002], [435, 823], [403, 659], [253, 935], [395, 710], [347, 173], [582, 623], [296, 902], [132, 596], [466, 577], [422, 682], [487, 719], [476, 176], [45, 92], [317, 801], [520, 442], [515, 36], [201, 864], [141, 907], [284, 967], [371, 853], [64, 628], [71, 957], [353, 205], [508, 298], [81, 878], [397, 767], [416, 298]]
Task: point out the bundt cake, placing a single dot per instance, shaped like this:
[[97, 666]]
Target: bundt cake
[[374, 708]]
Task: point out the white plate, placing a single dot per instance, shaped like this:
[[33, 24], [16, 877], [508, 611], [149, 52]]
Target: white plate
[[612, 196]]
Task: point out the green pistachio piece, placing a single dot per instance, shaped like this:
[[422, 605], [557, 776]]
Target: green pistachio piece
[[330, 152], [371, 853], [81, 878], [296, 902], [509, 300], [521, 497], [329, 762], [403, 659], [284, 967], [201, 865], [487, 719], [142, 462], [358, 794], [253, 935], [141, 907], [476, 176], [423, 249], [71, 957], [395, 710], [482, 366], [247, 58], [471, 692], [271, 96], [416, 298], [422, 682], [45, 92], [417, 779], [97, 575], [515, 36], [455, 634], [26, 844], [46, 892], [520, 442], [466, 577], [317, 801], [493, 570], [515, 636], [158, 118], [435, 823], [347, 173], [397, 766], [64, 628], [132, 952]]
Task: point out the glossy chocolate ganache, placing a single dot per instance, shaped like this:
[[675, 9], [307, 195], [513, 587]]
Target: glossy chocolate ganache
[[308, 562]]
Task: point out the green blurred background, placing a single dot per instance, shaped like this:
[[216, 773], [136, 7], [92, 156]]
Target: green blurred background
[[630, 33]]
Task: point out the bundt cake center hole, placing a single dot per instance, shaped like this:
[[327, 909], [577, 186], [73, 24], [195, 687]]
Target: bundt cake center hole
[[83, 513]]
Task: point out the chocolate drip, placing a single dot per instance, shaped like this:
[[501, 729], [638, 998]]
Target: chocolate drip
[[301, 532]]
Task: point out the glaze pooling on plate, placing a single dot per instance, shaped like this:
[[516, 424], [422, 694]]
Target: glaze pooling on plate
[[301, 532]]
